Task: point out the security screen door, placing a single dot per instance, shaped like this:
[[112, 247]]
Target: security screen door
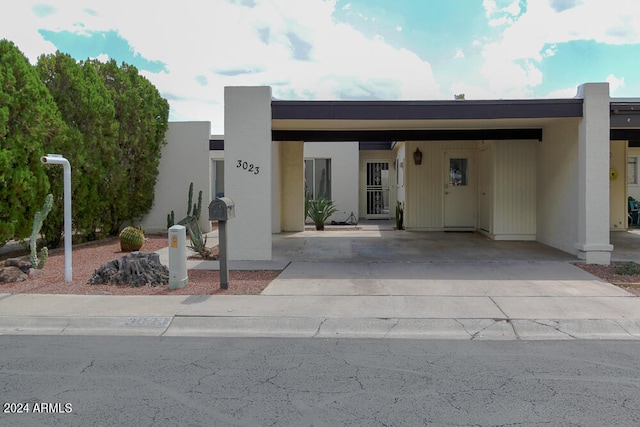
[[377, 189], [459, 190]]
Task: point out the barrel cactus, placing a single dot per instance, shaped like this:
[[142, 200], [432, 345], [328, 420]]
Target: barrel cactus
[[131, 239]]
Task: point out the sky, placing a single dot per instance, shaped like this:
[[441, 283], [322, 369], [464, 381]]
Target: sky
[[342, 49]]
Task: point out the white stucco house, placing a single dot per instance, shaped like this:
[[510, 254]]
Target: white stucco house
[[537, 169]]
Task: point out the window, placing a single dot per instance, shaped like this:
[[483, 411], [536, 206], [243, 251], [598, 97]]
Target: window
[[457, 172], [217, 178], [632, 170], [317, 178]]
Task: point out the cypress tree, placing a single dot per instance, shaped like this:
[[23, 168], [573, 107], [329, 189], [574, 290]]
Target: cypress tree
[[29, 123]]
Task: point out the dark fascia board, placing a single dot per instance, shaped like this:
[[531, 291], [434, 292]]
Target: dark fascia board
[[425, 110], [624, 134], [625, 114], [406, 135]]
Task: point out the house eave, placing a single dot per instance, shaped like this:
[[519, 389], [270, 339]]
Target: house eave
[[426, 110]]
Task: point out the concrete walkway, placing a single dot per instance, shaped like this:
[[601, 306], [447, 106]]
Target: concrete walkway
[[371, 282]]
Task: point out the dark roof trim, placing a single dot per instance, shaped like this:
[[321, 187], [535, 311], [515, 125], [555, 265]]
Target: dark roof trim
[[425, 110], [216, 144], [625, 114], [405, 135], [624, 134]]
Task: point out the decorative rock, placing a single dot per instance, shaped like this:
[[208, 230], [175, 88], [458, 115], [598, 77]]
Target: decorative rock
[[12, 274], [34, 273], [136, 269], [18, 262]]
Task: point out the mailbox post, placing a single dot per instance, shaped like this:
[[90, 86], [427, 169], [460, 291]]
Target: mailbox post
[[222, 209]]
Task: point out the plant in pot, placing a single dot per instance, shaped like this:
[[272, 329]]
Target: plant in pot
[[320, 210]]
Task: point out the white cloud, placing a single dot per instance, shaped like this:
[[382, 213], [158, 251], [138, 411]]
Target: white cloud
[[568, 92], [223, 43], [511, 60], [459, 54], [501, 14], [615, 83], [615, 22]]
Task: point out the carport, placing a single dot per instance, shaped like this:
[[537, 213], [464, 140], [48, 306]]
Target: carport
[[545, 162]]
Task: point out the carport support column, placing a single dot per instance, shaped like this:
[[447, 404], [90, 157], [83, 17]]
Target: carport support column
[[248, 170], [593, 175], [292, 186]]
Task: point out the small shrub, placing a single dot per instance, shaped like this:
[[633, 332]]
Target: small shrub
[[628, 269]]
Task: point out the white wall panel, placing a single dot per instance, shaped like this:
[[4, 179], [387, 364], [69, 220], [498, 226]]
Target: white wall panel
[[514, 208], [557, 185], [185, 159]]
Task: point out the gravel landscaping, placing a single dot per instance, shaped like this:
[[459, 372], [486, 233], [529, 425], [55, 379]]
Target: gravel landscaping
[[89, 257]]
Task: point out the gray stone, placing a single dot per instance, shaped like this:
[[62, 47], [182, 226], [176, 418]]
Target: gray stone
[[34, 273], [18, 262], [12, 274]]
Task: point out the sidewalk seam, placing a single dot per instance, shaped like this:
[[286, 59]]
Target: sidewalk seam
[[315, 335], [506, 316]]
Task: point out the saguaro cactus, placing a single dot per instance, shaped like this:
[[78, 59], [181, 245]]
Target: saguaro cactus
[[38, 219]]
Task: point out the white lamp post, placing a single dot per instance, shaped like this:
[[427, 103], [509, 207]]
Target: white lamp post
[[57, 159]]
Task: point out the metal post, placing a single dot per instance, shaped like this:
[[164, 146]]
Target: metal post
[[57, 159], [224, 268]]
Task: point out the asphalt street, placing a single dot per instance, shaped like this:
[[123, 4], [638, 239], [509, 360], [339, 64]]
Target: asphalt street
[[158, 381]]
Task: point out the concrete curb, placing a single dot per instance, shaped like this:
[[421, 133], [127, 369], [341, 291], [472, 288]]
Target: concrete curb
[[315, 327]]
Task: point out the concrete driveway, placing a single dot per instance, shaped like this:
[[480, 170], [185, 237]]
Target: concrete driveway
[[374, 244], [377, 260]]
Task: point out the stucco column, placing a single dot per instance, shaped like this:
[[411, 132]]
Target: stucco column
[[593, 175], [248, 170], [292, 186]]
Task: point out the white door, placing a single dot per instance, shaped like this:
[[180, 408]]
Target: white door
[[377, 189], [460, 203]]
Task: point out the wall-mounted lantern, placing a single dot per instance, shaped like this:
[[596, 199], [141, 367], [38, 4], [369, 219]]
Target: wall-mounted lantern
[[417, 157]]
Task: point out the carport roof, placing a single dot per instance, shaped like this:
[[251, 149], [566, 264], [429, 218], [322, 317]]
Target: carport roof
[[425, 110], [625, 120], [377, 121]]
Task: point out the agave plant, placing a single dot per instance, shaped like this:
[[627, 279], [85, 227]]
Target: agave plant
[[320, 210]]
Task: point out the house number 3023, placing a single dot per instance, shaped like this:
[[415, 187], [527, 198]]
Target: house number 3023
[[249, 167]]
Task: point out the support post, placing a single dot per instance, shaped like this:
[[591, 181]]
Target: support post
[[222, 246], [593, 244]]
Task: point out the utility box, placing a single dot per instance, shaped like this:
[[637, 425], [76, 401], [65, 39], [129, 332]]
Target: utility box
[[222, 209], [178, 257]]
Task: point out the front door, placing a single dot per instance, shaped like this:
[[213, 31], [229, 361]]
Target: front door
[[377, 189], [460, 204]]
